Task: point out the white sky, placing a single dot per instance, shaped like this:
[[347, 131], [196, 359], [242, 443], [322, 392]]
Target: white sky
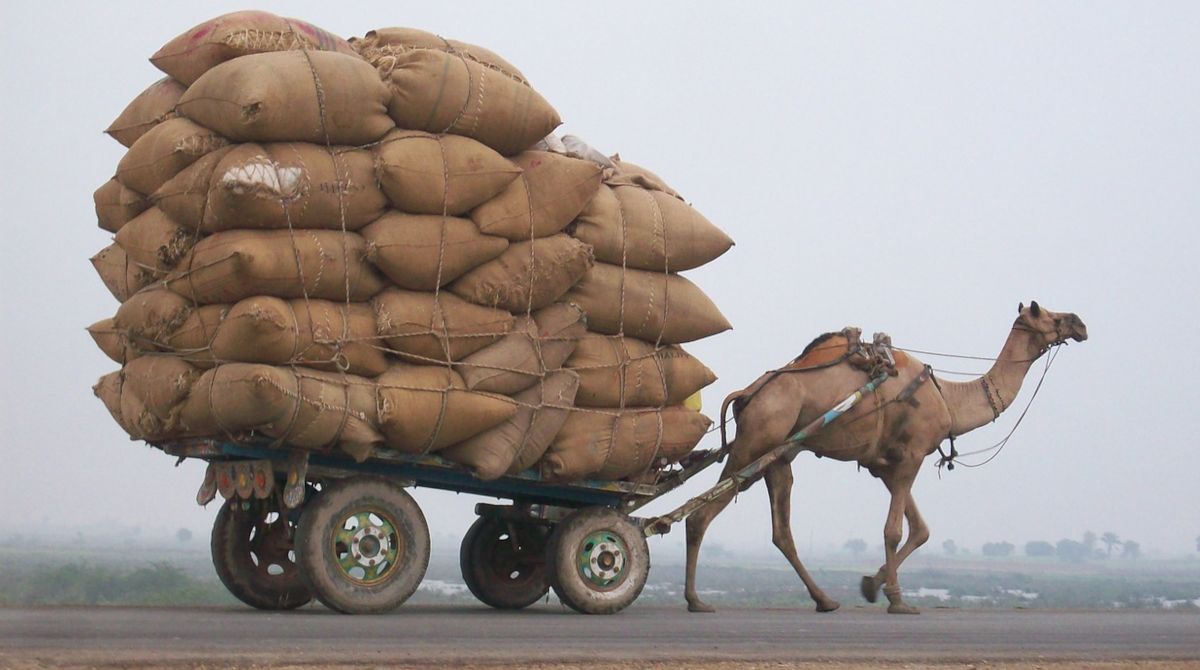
[[918, 168]]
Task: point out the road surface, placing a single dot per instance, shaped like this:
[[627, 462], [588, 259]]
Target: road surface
[[547, 633]]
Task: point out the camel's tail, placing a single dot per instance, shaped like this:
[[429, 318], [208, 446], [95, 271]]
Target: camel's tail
[[729, 400]]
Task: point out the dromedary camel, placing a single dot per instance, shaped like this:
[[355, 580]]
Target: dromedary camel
[[890, 432]]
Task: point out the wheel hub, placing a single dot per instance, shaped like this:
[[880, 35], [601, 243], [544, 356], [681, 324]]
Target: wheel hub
[[367, 548], [601, 559]]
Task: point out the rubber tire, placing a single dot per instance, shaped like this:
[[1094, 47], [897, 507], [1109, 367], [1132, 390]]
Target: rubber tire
[[323, 574], [570, 586], [490, 584], [231, 558]]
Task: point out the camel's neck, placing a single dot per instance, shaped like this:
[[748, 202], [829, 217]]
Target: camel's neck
[[978, 402]]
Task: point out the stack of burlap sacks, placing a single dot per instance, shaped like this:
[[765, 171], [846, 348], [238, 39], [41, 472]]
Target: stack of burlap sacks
[[350, 245]]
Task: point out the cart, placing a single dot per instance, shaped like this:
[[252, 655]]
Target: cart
[[296, 525]]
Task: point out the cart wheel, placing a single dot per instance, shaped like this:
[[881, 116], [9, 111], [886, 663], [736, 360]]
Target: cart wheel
[[252, 552], [504, 562], [598, 561], [363, 546]]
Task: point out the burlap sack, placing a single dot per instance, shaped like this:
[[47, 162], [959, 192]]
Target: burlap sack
[[291, 96], [163, 152], [149, 395], [423, 173], [120, 275], [650, 306], [325, 264], [429, 328], [410, 38], [158, 320], [238, 34], [624, 372], [154, 241], [112, 341], [518, 443], [628, 174], [536, 345], [150, 108], [648, 230], [549, 194], [424, 408], [117, 204], [318, 334], [422, 252], [277, 185], [108, 390], [614, 445], [528, 275], [446, 93], [300, 407]]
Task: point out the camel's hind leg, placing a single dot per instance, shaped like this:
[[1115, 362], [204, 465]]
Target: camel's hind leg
[[779, 488], [918, 534], [697, 524]]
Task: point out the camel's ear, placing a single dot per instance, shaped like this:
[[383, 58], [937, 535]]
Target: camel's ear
[[1034, 309], [1020, 307]]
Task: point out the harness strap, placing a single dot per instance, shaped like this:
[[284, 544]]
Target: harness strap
[[944, 458]]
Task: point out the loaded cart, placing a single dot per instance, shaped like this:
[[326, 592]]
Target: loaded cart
[[298, 524]]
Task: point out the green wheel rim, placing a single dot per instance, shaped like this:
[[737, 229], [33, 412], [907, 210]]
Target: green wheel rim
[[366, 546], [601, 560]]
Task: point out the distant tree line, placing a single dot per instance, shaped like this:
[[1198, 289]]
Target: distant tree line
[[1088, 547]]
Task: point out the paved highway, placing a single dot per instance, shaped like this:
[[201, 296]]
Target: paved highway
[[546, 633]]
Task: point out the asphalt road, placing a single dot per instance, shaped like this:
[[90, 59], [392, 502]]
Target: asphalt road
[[547, 633]]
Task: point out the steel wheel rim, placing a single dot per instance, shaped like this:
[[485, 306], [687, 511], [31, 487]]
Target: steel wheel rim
[[601, 560], [366, 546], [269, 543], [513, 566]]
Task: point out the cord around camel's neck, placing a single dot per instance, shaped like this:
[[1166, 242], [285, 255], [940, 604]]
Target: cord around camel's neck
[[979, 401]]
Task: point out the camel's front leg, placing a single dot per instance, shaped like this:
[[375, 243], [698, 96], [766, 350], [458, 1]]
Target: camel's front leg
[[892, 531], [697, 524], [779, 488], [918, 534]]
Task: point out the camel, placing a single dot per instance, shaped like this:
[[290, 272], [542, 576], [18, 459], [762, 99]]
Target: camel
[[890, 432]]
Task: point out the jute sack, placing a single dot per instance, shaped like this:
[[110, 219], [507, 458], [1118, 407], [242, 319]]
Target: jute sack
[[410, 38], [628, 174], [528, 275], [549, 194], [238, 34], [120, 275], [536, 345], [117, 204], [300, 407], [154, 241], [318, 334], [112, 341], [424, 408], [624, 372], [108, 390], [423, 173], [518, 443], [149, 395], [446, 93], [163, 151], [291, 96], [158, 320], [648, 230], [235, 264], [432, 328], [421, 252], [650, 306], [150, 108], [277, 185], [613, 445]]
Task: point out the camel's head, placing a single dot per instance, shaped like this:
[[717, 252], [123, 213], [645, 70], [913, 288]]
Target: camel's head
[[1052, 327]]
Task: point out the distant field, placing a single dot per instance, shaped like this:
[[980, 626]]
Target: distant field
[[51, 574]]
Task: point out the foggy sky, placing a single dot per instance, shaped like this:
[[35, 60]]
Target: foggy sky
[[917, 168]]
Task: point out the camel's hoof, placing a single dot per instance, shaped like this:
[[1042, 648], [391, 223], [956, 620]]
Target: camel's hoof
[[870, 588], [701, 607], [902, 608], [827, 605]]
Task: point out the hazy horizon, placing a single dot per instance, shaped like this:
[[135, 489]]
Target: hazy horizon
[[915, 168]]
